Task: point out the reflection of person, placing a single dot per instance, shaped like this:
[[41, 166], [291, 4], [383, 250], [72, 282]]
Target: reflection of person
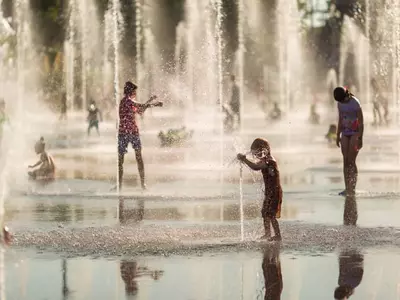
[[350, 214], [136, 214], [350, 135], [271, 267], [129, 273], [351, 271], [128, 132], [268, 166], [46, 170]]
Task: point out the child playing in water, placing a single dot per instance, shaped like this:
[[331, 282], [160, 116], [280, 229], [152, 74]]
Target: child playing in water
[[94, 115], [271, 209], [46, 170], [350, 131], [128, 132]]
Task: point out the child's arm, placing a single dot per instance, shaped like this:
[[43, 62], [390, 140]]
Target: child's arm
[[37, 164], [338, 130], [360, 117], [254, 166], [141, 108]]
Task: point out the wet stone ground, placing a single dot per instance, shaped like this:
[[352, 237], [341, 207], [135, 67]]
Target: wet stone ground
[[181, 239]]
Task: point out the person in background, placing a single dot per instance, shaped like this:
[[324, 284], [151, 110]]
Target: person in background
[[93, 118], [235, 100], [63, 107]]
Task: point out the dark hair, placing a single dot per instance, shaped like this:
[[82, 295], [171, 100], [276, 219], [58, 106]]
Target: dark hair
[[129, 87], [259, 144], [340, 93], [40, 144], [342, 291]]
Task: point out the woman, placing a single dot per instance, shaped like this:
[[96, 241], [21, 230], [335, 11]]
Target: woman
[[349, 137]]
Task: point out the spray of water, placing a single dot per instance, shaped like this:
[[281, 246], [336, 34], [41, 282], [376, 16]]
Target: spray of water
[[241, 203], [138, 15], [115, 14], [220, 83], [69, 56], [241, 51]]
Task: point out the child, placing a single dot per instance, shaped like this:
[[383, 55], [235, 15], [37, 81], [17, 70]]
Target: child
[[128, 132], [271, 209], [93, 117], [349, 137], [46, 171]]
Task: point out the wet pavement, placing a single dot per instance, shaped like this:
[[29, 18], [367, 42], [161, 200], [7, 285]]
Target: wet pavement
[[181, 239]]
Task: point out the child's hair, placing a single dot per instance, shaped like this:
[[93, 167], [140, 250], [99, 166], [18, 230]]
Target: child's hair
[[40, 144], [342, 292], [129, 87], [260, 144], [340, 93]]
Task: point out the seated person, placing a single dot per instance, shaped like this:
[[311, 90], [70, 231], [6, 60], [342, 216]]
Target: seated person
[[46, 170], [174, 137]]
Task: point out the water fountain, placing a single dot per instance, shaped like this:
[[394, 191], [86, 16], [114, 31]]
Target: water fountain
[[240, 56], [82, 47], [138, 41], [291, 62]]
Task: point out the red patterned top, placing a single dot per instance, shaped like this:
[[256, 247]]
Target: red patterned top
[[128, 109]]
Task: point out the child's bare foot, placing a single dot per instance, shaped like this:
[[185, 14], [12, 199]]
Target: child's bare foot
[[275, 238], [144, 187], [265, 237]]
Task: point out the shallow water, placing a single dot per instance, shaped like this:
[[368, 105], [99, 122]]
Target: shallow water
[[180, 239], [210, 276]]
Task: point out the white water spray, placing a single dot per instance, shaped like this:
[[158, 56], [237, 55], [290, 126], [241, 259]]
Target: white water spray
[[220, 84], [115, 14], [241, 50], [138, 15], [241, 203]]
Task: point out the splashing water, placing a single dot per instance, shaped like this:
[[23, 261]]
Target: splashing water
[[241, 203]]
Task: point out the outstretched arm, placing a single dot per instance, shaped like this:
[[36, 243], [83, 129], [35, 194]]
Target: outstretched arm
[[338, 130], [35, 165], [141, 108], [360, 117], [254, 166]]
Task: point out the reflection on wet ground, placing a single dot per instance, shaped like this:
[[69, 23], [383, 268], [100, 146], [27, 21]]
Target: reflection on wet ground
[[269, 273], [180, 239]]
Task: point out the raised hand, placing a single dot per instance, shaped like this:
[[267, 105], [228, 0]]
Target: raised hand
[[241, 157]]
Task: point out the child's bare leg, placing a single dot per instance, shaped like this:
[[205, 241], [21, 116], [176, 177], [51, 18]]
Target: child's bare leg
[[120, 169], [267, 227], [352, 167], [140, 163], [275, 226], [345, 144]]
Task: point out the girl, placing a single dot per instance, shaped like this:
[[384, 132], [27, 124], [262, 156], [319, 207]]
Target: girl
[[349, 135], [271, 209]]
